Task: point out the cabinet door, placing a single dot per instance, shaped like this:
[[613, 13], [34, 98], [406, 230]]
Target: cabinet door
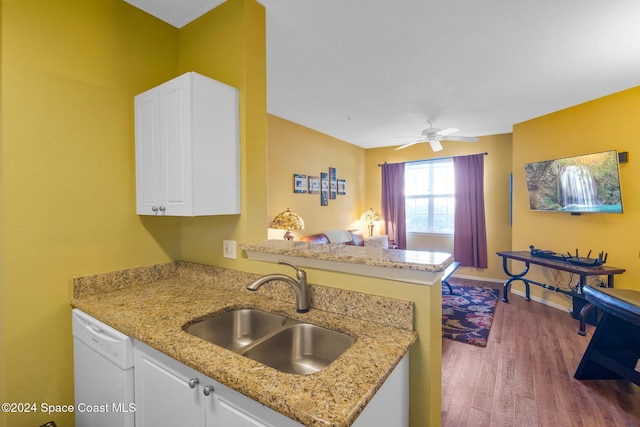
[[222, 412], [163, 394], [175, 145], [228, 408], [148, 163], [164, 398], [163, 149]]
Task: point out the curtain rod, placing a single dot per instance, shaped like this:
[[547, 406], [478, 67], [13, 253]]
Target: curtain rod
[[439, 158]]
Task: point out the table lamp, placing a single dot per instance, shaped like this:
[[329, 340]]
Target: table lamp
[[370, 216], [287, 220]]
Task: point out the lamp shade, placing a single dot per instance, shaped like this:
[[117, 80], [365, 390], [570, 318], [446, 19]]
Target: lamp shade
[[287, 220], [371, 215]]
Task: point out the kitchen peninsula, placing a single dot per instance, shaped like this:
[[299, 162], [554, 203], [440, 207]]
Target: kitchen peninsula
[[408, 275], [152, 305], [383, 298], [420, 267]]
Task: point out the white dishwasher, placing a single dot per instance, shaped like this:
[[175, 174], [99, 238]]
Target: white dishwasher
[[103, 374]]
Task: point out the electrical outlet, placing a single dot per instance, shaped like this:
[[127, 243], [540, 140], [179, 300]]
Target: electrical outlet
[[229, 249]]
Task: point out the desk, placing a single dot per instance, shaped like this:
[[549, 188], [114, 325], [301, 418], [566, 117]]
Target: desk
[[582, 271]]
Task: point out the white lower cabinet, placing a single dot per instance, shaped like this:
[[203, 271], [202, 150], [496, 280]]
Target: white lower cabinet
[[390, 405], [169, 393]]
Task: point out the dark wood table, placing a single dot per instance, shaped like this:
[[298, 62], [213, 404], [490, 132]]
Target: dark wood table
[[582, 271]]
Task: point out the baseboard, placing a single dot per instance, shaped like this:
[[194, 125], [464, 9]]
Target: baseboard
[[482, 279], [517, 292], [543, 301]]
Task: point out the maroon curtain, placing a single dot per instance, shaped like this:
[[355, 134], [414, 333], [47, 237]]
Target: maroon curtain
[[393, 203], [470, 236]]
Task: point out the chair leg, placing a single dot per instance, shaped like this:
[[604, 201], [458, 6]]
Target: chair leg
[[613, 352]]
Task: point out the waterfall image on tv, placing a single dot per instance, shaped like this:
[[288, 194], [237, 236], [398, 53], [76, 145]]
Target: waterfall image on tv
[[586, 183]]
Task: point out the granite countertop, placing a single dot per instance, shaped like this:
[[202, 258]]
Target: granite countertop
[[419, 267], [371, 256], [152, 304]]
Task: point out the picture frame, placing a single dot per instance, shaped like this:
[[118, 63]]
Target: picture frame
[[314, 185], [324, 189], [300, 183], [333, 183], [342, 187]]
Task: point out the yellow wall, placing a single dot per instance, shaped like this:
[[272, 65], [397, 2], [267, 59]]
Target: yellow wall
[[603, 124], [228, 44], [297, 149], [497, 206], [69, 73], [70, 70], [3, 377]]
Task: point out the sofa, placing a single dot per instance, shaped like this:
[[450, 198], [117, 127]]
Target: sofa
[[348, 237]]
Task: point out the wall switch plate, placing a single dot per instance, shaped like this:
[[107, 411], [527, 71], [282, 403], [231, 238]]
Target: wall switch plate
[[229, 249]]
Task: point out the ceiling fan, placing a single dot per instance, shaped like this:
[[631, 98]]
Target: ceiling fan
[[434, 135]]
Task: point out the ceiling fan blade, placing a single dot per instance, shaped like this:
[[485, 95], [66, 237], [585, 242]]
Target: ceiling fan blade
[[447, 131], [461, 138], [409, 145], [435, 145]]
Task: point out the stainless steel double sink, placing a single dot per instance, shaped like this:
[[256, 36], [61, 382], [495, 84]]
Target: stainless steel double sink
[[282, 343]]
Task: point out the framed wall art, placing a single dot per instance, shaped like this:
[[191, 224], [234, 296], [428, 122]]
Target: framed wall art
[[333, 183], [342, 187], [314, 185], [299, 183], [324, 189]]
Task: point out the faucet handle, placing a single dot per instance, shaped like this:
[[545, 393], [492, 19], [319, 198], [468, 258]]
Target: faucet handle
[[301, 274]]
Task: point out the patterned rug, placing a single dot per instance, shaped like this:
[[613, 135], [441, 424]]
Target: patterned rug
[[468, 313]]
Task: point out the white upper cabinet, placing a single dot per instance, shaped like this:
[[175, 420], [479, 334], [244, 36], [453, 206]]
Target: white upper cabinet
[[188, 148]]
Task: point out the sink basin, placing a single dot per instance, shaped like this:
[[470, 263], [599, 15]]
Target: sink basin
[[301, 349], [236, 329], [284, 344]]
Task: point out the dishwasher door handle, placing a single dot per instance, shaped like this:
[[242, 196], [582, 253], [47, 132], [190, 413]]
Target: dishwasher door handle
[[106, 340], [101, 333]]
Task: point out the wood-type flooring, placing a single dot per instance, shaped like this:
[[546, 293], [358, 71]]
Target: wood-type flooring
[[524, 377]]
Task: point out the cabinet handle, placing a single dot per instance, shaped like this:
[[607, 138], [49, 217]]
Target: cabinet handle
[[162, 209], [208, 390], [193, 382], [154, 209]]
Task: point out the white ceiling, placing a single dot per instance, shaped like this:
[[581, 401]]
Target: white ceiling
[[367, 71], [176, 12]]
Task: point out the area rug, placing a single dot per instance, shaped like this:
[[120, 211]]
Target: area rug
[[468, 313]]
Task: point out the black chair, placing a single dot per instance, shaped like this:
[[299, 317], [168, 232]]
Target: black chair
[[614, 349]]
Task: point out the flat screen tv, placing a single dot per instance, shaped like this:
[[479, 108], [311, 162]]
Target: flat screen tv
[[578, 184]]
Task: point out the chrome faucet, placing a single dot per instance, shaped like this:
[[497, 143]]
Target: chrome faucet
[[299, 286]]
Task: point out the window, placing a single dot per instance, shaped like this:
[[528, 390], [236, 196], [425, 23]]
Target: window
[[429, 196]]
